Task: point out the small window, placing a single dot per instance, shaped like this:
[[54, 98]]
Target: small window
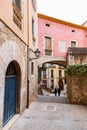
[[44, 73], [32, 27], [18, 4], [73, 43], [48, 45], [34, 4], [60, 66], [62, 46], [73, 30], [32, 68], [33, 30], [51, 73], [60, 73], [48, 25]]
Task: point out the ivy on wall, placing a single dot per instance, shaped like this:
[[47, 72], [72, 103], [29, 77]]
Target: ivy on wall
[[76, 69]]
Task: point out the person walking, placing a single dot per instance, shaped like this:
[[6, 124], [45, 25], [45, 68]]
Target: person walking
[[60, 84], [55, 91], [59, 91]]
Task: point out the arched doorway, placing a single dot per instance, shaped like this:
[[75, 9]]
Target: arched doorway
[[11, 92]]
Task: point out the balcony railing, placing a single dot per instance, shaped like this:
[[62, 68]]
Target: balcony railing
[[77, 51], [48, 52]]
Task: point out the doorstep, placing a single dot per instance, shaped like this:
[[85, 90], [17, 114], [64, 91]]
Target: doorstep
[[11, 122]]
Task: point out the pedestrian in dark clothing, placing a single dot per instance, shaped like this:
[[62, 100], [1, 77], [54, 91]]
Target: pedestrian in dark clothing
[[60, 84], [59, 91], [55, 91]]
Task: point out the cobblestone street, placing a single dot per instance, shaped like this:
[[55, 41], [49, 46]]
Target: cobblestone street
[[52, 116]]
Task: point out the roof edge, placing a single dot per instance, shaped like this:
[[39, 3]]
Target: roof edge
[[61, 21]]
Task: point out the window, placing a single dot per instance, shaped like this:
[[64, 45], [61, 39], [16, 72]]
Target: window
[[47, 24], [62, 46], [34, 4], [73, 43], [18, 4], [44, 73], [32, 27], [17, 17], [48, 45], [73, 30], [60, 73], [33, 30], [60, 66], [51, 73], [32, 68]]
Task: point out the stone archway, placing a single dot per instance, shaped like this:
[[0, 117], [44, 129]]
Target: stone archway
[[49, 76], [11, 91]]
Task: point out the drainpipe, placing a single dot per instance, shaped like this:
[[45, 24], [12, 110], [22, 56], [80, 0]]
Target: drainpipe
[[27, 105]]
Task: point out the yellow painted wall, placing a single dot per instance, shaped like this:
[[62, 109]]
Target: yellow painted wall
[[6, 15], [32, 14]]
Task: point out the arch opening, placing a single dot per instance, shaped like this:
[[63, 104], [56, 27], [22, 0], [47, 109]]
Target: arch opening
[[49, 77], [11, 91]]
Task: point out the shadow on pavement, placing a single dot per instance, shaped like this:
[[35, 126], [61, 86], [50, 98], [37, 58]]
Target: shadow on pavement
[[53, 99]]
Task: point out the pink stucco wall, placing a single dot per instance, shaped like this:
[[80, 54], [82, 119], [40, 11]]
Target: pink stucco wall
[[59, 31]]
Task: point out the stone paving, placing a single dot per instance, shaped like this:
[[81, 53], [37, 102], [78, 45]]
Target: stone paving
[[52, 116], [53, 99]]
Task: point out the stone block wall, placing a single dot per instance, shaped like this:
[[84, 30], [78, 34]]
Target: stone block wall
[[33, 78], [12, 48], [77, 89]]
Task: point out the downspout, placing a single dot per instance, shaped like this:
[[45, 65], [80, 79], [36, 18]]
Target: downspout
[[85, 37], [27, 105]]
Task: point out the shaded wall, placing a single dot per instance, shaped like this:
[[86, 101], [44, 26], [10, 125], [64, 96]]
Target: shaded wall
[[77, 89], [77, 85]]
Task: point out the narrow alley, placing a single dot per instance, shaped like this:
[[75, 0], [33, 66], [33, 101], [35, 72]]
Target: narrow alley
[[52, 113]]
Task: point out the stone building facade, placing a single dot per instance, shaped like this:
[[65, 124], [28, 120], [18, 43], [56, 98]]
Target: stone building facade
[[77, 84], [17, 85], [55, 36], [33, 45], [50, 75], [12, 50], [18, 61]]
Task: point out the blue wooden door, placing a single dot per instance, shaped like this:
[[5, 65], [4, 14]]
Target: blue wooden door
[[9, 98]]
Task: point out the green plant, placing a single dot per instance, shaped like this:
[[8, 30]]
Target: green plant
[[76, 69]]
